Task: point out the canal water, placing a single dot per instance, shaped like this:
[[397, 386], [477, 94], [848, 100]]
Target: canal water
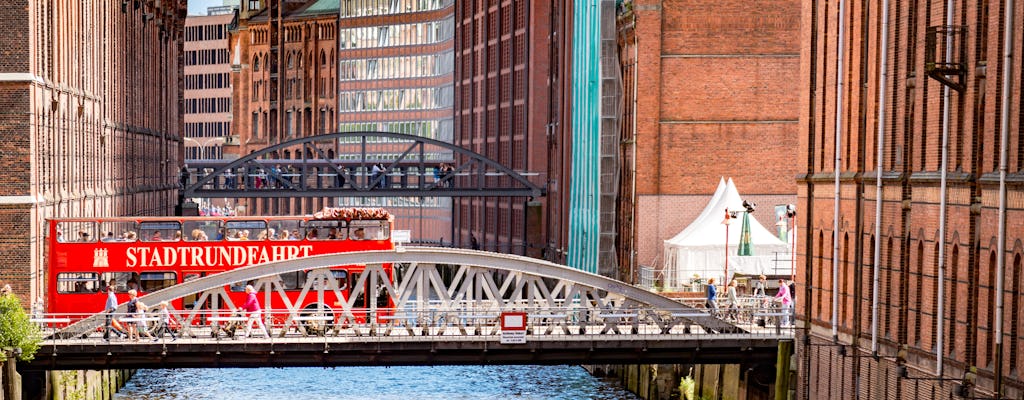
[[398, 383]]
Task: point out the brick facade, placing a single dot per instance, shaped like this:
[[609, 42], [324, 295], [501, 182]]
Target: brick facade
[[909, 308], [90, 122], [711, 91], [511, 59]]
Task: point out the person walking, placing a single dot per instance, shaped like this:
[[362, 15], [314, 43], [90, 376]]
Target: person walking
[[133, 309], [164, 323], [252, 306], [760, 285], [786, 300], [734, 303], [712, 299], [109, 308]]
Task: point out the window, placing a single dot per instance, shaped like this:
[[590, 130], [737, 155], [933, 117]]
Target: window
[[117, 231], [123, 281], [246, 230], [160, 231], [369, 230], [293, 280], [76, 232], [78, 282], [287, 229], [201, 231], [325, 230], [153, 281]]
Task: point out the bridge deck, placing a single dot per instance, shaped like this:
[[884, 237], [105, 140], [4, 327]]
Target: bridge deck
[[361, 347]]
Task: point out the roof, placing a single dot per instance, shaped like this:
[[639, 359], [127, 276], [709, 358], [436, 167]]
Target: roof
[[319, 7], [707, 229]]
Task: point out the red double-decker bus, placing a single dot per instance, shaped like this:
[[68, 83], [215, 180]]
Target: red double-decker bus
[[152, 253]]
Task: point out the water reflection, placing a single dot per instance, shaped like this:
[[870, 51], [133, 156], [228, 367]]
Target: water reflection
[[405, 383]]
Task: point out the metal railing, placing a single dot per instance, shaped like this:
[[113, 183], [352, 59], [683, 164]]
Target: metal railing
[[759, 316]]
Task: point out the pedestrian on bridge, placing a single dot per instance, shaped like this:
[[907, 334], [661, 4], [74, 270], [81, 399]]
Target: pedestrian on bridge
[[734, 303], [252, 306], [164, 324], [784, 297], [712, 300], [133, 309], [109, 308]]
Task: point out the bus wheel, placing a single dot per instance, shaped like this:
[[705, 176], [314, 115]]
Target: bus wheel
[[316, 322]]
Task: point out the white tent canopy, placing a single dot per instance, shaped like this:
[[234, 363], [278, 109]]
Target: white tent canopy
[[700, 249]]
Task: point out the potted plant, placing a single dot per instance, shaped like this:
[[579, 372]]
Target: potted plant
[[696, 283]]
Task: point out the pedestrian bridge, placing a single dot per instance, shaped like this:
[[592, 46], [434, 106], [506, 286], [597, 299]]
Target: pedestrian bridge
[[438, 306]]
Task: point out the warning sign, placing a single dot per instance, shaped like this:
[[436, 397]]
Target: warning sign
[[513, 328]]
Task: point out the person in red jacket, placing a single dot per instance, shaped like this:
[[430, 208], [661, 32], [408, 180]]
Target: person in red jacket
[[252, 306]]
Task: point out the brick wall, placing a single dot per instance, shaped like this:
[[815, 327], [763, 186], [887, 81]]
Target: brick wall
[[909, 279], [88, 128], [509, 78], [717, 96]]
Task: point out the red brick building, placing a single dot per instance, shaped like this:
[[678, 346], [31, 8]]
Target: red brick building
[[711, 90], [91, 121], [937, 283], [511, 82]]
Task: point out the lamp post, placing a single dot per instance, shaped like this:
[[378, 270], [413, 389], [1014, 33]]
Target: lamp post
[[726, 222], [791, 214]]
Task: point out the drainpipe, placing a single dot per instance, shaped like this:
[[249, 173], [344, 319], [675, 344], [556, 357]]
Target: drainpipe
[[941, 309], [636, 76], [839, 126], [1004, 134], [884, 68]]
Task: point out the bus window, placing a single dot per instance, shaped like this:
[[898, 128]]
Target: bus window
[[164, 231], [286, 229], [189, 301], [240, 286], [246, 230], [123, 281], [325, 230], [76, 232], [342, 277], [115, 230], [201, 231], [293, 280], [153, 281], [369, 230], [78, 282]]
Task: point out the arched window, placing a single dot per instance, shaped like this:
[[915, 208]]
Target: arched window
[[918, 308], [291, 61], [256, 63], [323, 59]]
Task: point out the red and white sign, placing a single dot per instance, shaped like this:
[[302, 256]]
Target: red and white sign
[[513, 328]]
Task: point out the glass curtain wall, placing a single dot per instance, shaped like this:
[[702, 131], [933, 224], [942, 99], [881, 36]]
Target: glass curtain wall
[[398, 78]]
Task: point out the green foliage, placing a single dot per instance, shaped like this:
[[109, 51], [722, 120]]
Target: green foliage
[[15, 329], [686, 387]]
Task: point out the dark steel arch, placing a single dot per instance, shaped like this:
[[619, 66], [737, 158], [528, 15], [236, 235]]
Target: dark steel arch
[[315, 174]]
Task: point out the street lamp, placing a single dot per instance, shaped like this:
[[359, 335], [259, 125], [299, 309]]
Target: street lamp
[[729, 216], [791, 214]]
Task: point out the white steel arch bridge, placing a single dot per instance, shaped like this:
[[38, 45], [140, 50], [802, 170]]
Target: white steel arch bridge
[[443, 307]]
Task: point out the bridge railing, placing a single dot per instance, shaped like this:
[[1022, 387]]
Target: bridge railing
[[468, 320]]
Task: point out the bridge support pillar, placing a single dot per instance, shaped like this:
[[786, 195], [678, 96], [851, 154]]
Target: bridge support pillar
[[10, 378], [782, 370]]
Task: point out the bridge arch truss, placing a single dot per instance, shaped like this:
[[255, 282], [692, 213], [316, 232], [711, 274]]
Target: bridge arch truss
[[341, 164], [476, 283]]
